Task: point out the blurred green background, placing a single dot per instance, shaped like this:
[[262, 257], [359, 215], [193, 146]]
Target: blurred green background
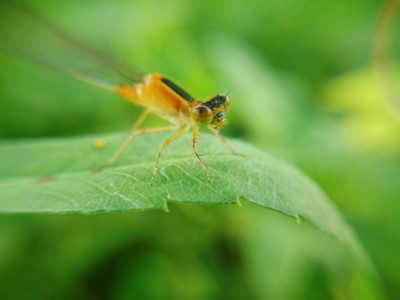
[[303, 89]]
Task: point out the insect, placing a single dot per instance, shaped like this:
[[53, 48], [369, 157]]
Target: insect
[[25, 34]]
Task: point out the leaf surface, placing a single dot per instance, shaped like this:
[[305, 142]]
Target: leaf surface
[[66, 176]]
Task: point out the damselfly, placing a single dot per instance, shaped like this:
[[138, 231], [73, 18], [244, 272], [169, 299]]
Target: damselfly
[[25, 34]]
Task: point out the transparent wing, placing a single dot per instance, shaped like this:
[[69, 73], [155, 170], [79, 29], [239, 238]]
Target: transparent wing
[[26, 34]]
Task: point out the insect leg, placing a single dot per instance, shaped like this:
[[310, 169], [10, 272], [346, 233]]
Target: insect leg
[[165, 144], [216, 133], [141, 132], [125, 145], [198, 158], [156, 129]]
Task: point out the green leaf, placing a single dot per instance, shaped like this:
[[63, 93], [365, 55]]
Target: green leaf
[[61, 176]]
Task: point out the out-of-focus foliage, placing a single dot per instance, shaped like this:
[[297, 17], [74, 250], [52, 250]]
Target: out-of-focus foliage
[[301, 88]]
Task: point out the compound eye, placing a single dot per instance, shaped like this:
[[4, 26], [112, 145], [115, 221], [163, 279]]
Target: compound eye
[[202, 115], [201, 112], [220, 114], [227, 103]]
